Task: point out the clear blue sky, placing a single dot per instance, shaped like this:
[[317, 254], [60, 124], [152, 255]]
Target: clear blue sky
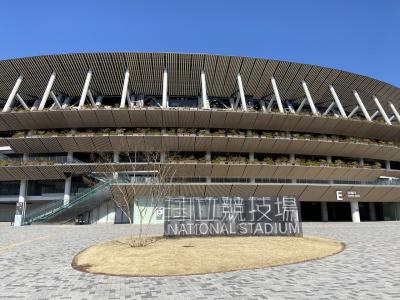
[[353, 35]]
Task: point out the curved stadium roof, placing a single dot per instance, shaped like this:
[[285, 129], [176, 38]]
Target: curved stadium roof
[[184, 77]]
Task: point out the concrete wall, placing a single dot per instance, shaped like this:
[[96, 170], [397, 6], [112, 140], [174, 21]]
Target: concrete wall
[[147, 209], [103, 214]]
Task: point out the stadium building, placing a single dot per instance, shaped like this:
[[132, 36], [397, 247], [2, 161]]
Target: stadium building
[[237, 126]]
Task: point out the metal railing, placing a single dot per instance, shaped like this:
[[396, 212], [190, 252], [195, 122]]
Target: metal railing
[[203, 180], [53, 208]]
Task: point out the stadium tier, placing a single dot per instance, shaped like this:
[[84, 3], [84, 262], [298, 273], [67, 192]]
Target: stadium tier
[[76, 129]]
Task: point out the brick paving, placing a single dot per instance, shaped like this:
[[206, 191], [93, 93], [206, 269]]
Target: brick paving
[[35, 264]]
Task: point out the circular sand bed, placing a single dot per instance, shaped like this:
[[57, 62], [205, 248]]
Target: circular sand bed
[[187, 256]]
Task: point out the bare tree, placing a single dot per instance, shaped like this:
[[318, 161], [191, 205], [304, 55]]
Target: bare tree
[[148, 177]]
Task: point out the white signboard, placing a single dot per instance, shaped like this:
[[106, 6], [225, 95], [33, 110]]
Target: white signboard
[[348, 195]]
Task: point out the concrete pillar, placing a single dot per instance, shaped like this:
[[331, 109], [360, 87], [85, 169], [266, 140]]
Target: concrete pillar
[[232, 103], [324, 211], [115, 160], [163, 157], [208, 159], [208, 156], [361, 161], [21, 204], [68, 181], [251, 160], [372, 212], [292, 160], [355, 212], [67, 190], [251, 157], [387, 165]]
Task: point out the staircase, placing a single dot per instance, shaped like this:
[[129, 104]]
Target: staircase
[[85, 200]]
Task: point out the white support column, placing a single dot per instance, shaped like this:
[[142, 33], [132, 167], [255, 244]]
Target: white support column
[[241, 93], [324, 211], [67, 189], [21, 204], [262, 105], [124, 89], [232, 103], [251, 161], [35, 105], [353, 111], [22, 101], [66, 103], [329, 109], [68, 181], [55, 99], [163, 157], [205, 102], [91, 98], [47, 91], [208, 156], [372, 211], [374, 115], [271, 102], [387, 165], [165, 90], [115, 160], [99, 100], [131, 101], [381, 110], [277, 96], [361, 161], [251, 156], [85, 89], [208, 160], [291, 109], [355, 212], [309, 99], [361, 105], [337, 101], [301, 105], [329, 161], [11, 97], [396, 113], [140, 99]]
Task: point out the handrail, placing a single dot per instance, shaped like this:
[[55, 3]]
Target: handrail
[[203, 180], [57, 206]]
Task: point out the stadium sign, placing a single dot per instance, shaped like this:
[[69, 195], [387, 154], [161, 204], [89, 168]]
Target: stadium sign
[[277, 216]]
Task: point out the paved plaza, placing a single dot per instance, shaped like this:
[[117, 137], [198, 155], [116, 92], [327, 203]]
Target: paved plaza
[[35, 264]]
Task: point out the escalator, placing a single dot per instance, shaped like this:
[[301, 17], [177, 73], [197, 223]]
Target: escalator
[[57, 211]]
